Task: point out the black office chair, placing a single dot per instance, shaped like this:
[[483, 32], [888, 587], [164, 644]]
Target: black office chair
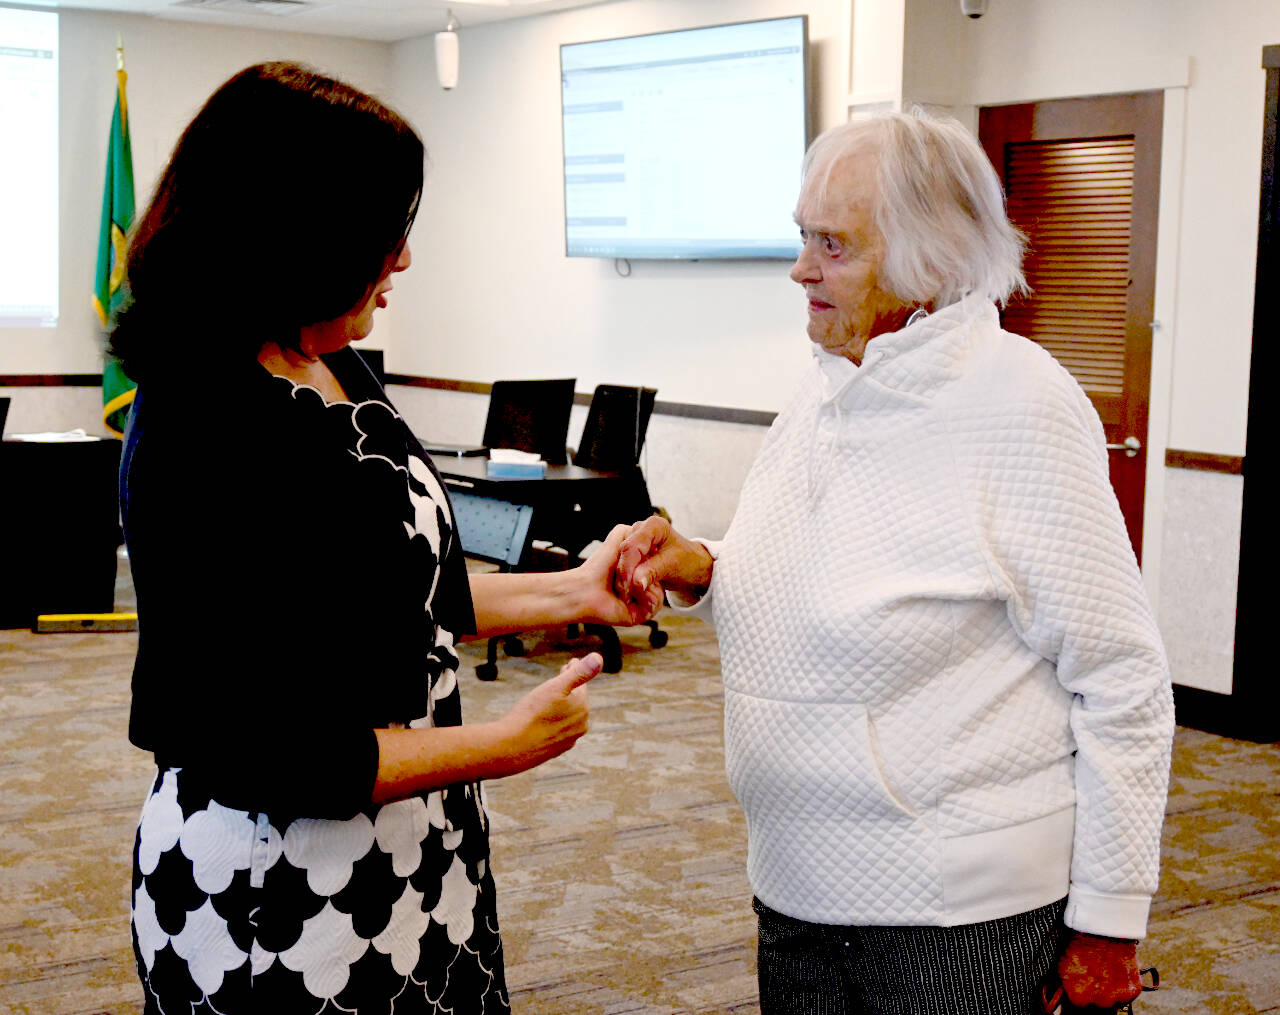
[[527, 416], [615, 428], [496, 531], [530, 416], [612, 439]]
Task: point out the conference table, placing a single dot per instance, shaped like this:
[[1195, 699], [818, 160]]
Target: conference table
[[560, 485], [498, 517], [590, 493]]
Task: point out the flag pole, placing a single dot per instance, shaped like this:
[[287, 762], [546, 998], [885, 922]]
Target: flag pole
[[109, 280]]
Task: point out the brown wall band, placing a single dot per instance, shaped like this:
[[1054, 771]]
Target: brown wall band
[[686, 410], [50, 380], [1204, 462], [721, 414]]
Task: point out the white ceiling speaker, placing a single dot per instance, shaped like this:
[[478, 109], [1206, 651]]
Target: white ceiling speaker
[[447, 54]]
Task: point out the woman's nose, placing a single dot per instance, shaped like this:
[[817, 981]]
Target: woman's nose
[[404, 260], [805, 268]]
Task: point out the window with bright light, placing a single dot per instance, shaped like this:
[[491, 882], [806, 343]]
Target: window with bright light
[[29, 168]]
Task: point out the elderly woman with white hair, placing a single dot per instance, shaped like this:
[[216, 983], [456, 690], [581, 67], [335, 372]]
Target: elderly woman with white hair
[[948, 713]]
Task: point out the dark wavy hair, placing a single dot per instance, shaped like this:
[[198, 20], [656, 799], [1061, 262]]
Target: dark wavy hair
[[285, 200]]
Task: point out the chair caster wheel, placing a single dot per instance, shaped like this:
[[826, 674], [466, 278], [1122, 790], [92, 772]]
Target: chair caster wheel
[[487, 671], [513, 646], [658, 638]]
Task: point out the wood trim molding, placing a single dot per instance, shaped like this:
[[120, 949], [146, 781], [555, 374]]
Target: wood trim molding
[[1174, 459], [1204, 462], [685, 410], [50, 380], [438, 383]]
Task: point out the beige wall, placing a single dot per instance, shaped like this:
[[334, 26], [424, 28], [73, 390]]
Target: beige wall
[[491, 293]]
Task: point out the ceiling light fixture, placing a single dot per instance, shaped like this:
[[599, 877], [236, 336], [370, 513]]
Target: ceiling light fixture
[[447, 54]]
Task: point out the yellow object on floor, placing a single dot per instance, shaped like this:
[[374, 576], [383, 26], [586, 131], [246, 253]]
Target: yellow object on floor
[[63, 623]]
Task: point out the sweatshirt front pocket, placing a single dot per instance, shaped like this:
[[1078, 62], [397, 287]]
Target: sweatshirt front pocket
[[811, 761]]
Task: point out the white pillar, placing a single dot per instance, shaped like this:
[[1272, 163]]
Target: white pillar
[[877, 39]]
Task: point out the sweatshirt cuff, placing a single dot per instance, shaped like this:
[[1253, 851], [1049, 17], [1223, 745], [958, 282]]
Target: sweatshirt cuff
[[700, 608], [1107, 914]]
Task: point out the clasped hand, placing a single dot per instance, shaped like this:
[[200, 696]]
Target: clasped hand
[[654, 557], [630, 570]]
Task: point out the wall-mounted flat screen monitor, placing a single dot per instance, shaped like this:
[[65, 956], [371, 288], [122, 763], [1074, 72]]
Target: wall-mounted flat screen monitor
[[687, 144]]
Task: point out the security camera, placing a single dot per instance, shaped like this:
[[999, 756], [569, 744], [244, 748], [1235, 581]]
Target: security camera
[[973, 8]]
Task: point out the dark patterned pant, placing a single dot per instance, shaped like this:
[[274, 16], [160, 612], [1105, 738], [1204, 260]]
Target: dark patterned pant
[[990, 968]]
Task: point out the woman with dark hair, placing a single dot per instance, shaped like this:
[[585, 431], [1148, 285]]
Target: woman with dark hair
[[315, 835]]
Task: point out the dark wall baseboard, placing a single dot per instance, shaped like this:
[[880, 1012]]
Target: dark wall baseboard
[[1174, 459], [1204, 462], [687, 410], [439, 384], [50, 380], [719, 413]]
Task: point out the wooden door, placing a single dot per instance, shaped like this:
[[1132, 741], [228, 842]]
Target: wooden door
[[1082, 180]]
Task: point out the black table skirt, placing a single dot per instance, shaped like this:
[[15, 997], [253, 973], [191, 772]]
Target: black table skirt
[[59, 523]]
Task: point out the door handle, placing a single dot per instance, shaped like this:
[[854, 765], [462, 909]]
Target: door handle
[[1130, 447]]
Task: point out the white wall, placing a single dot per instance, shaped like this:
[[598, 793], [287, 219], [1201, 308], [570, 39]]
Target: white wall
[[1035, 49], [173, 66], [491, 293]]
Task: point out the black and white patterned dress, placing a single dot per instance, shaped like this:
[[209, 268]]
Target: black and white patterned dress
[[243, 906]]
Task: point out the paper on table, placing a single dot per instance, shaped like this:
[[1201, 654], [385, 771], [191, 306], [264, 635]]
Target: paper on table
[[510, 456]]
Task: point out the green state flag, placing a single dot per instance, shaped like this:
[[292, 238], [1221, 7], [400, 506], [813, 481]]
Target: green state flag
[[109, 283]]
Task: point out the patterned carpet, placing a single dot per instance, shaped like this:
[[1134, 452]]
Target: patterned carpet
[[620, 866]]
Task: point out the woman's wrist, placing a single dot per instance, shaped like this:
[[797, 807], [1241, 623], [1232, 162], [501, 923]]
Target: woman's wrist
[[694, 580], [573, 595]]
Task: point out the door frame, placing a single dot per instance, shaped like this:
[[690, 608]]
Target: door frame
[[1139, 115], [1172, 76]]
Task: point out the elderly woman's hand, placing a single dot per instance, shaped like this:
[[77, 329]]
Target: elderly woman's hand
[[606, 599], [1100, 971], [654, 556]]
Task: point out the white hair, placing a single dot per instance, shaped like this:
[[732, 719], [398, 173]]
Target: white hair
[[939, 206]]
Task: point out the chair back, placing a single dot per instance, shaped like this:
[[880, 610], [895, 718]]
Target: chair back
[[615, 428], [531, 416], [491, 529]]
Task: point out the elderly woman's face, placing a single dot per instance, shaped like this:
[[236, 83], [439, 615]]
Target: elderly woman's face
[[839, 265]]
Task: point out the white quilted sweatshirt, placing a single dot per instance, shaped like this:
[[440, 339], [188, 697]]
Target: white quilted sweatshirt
[[946, 700]]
